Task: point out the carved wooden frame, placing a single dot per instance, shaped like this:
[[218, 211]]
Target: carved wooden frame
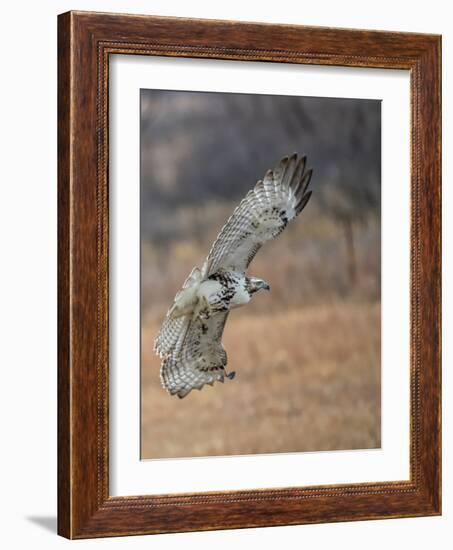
[[85, 42]]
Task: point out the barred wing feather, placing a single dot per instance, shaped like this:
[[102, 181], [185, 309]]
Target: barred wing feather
[[201, 360], [171, 335]]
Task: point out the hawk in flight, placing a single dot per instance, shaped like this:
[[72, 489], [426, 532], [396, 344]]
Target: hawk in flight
[[190, 340]]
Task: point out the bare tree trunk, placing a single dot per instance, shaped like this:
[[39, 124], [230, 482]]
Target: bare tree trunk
[[350, 251]]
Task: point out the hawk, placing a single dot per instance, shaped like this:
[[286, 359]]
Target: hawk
[[189, 342]]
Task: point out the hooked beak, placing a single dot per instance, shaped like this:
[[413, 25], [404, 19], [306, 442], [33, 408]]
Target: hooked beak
[[266, 286]]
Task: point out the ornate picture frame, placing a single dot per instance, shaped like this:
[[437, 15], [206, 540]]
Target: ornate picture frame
[[86, 42]]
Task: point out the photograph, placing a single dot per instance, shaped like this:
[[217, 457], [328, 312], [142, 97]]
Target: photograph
[[260, 224]]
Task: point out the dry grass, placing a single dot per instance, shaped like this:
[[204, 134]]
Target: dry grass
[[306, 379]]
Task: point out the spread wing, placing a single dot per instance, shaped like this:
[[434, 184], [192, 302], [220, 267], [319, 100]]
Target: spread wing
[[200, 360], [261, 216]]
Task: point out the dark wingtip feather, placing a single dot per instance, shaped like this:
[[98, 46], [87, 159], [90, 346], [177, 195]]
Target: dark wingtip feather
[[295, 183], [269, 175], [297, 178], [283, 162], [306, 180], [290, 174], [303, 202], [291, 168]]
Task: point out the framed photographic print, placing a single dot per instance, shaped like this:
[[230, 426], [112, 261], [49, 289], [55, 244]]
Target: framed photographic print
[[249, 275]]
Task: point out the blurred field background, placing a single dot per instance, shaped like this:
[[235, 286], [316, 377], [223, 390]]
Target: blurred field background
[[307, 354]]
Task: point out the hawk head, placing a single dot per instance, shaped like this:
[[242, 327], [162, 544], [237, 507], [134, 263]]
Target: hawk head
[[253, 284]]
